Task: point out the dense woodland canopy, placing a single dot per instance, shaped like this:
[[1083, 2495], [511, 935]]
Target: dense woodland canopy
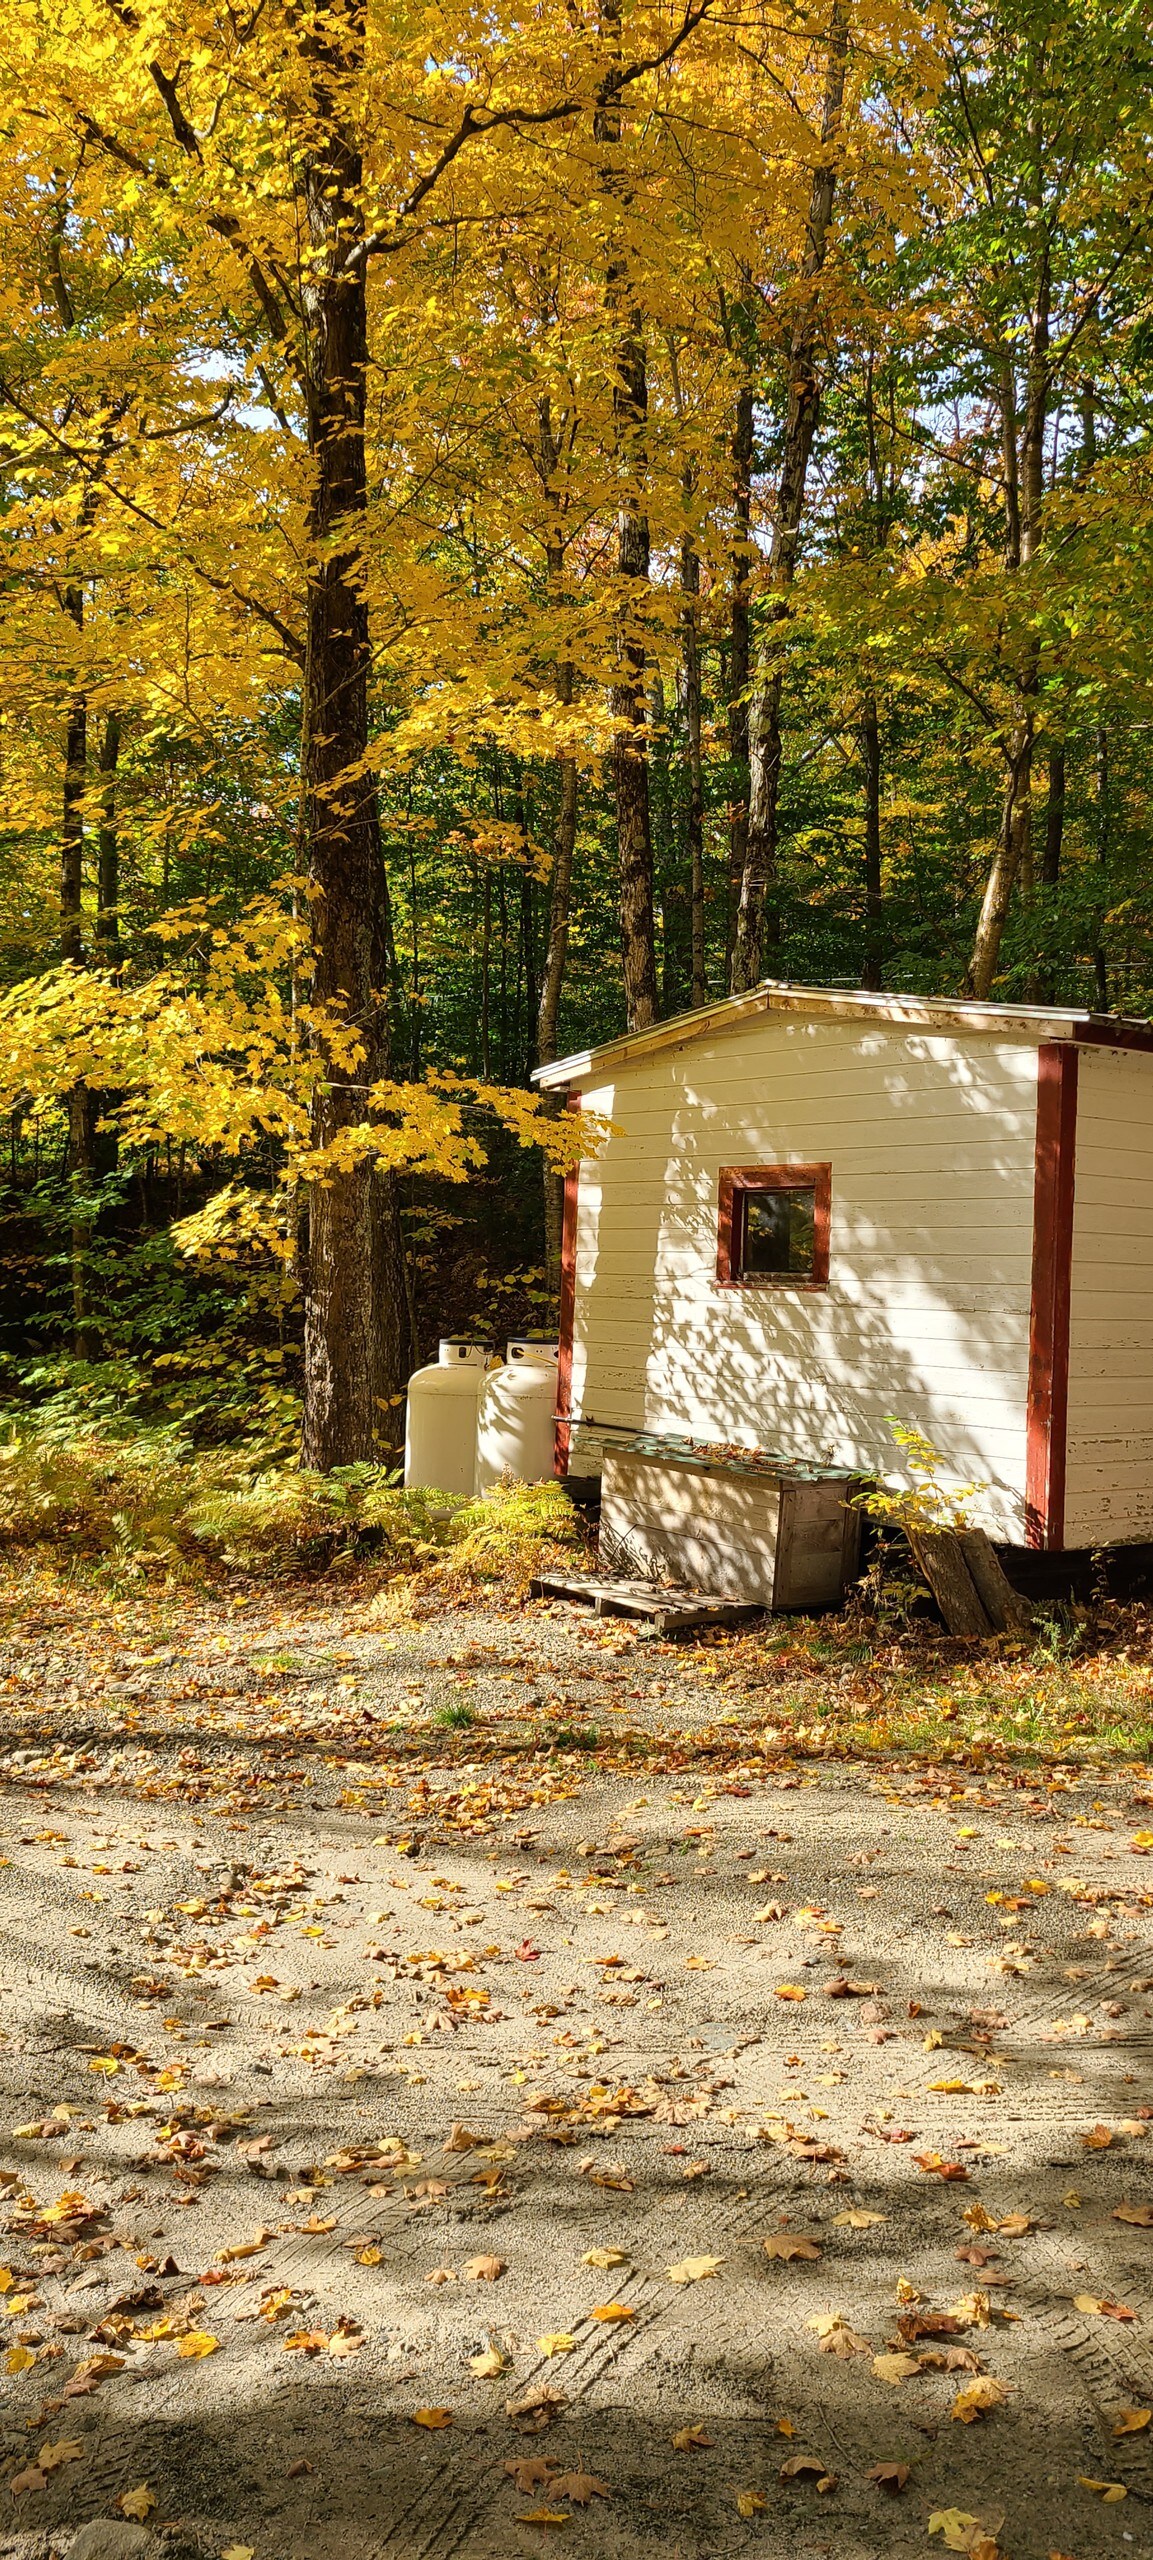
[[517, 523]]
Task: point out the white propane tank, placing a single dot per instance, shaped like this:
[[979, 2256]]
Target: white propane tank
[[515, 1429], [440, 1422]]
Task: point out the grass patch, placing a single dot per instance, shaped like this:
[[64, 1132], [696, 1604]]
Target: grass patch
[[456, 1717], [847, 1687]]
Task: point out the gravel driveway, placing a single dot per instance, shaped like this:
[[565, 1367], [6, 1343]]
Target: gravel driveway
[[419, 2148]]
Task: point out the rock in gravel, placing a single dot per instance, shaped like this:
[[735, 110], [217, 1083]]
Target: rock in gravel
[[109, 2539]]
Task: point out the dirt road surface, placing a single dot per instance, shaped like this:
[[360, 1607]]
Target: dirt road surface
[[418, 2147]]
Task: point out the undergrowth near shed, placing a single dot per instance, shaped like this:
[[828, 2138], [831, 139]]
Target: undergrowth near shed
[[129, 1509], [147, 1504]]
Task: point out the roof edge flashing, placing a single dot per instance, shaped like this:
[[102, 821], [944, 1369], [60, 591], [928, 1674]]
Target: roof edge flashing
[[779, 995]]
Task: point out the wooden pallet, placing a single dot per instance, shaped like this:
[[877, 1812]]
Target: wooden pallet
[[669, 1611]]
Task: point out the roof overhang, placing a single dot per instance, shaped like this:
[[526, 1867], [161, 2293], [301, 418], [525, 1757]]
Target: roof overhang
[[1030, 1023]]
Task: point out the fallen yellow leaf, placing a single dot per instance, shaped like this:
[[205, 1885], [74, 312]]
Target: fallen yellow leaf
[[1109, 2491], [978, 2398], [836, 2336], [611, 2311], [693, 2270], [432, 2417], [750, 2503], [955, 2527], [52, 2456], [605, 2258], [556, 2342], [137, 2503], [197, 2342], [488, 2365], [1130, 2422]]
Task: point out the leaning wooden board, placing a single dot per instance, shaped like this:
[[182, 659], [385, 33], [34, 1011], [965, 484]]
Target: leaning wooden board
[[783, 1535]]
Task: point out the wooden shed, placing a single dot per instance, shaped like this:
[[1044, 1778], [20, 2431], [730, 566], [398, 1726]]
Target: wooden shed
[[819, 1212]]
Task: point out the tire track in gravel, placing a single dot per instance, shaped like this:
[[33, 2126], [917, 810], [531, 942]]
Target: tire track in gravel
[[1114, 2366], [125, 2455], [448, 2517], [387, 2217], [464, 2488]]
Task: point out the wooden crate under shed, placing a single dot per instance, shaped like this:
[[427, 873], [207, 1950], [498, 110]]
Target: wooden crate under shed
[[759, 1527]]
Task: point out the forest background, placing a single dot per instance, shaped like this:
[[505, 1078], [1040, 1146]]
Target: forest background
[[517, 522]]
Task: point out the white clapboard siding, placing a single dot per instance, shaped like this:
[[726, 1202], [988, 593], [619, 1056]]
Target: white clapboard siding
[[1109, 1463], [926, 1316]]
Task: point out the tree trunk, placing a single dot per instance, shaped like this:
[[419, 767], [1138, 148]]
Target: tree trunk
[[740, 657], [355, 1320], [560, 896], [108, 848], [630, 770], [1103, 815], [1012, 851], [560, 893], [874, 921], [695, 812], [1023, 448], [564, 848], [758, 915], [630, 761], [1054, 818], [72, 816]]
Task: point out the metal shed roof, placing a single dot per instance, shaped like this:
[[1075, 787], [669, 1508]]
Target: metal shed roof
[[857, 1004]]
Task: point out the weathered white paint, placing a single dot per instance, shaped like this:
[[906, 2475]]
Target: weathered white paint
[[930, 1134], [1109, 1464]]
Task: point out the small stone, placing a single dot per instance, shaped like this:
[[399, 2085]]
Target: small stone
[[110, 2539]]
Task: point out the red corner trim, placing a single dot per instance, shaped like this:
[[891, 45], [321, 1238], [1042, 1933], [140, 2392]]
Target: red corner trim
[[736, 1180], [1053, 1189], [562, 1434]]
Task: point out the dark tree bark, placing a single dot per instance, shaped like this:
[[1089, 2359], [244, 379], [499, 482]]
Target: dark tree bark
[[874, 917], [630, 753], [82, 1107], [740, 655], [695, 811], [1054, 818], [108, 847], [1103, 816], [552, 982], [630, 767], [560, 893], [564, 849], [72, 826], [1023, 448], [758, 914], [356, 1342], [689, 707]]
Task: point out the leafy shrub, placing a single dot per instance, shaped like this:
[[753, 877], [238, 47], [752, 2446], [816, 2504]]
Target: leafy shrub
[[507, 1536], [151, 1502]]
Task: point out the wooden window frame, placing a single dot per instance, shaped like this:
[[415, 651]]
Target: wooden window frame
[[736, 1181]]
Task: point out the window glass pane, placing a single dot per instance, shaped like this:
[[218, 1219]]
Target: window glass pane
[[778, 1233]]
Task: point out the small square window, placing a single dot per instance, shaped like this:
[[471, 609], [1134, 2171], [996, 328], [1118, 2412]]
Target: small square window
[[773, 1226]]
